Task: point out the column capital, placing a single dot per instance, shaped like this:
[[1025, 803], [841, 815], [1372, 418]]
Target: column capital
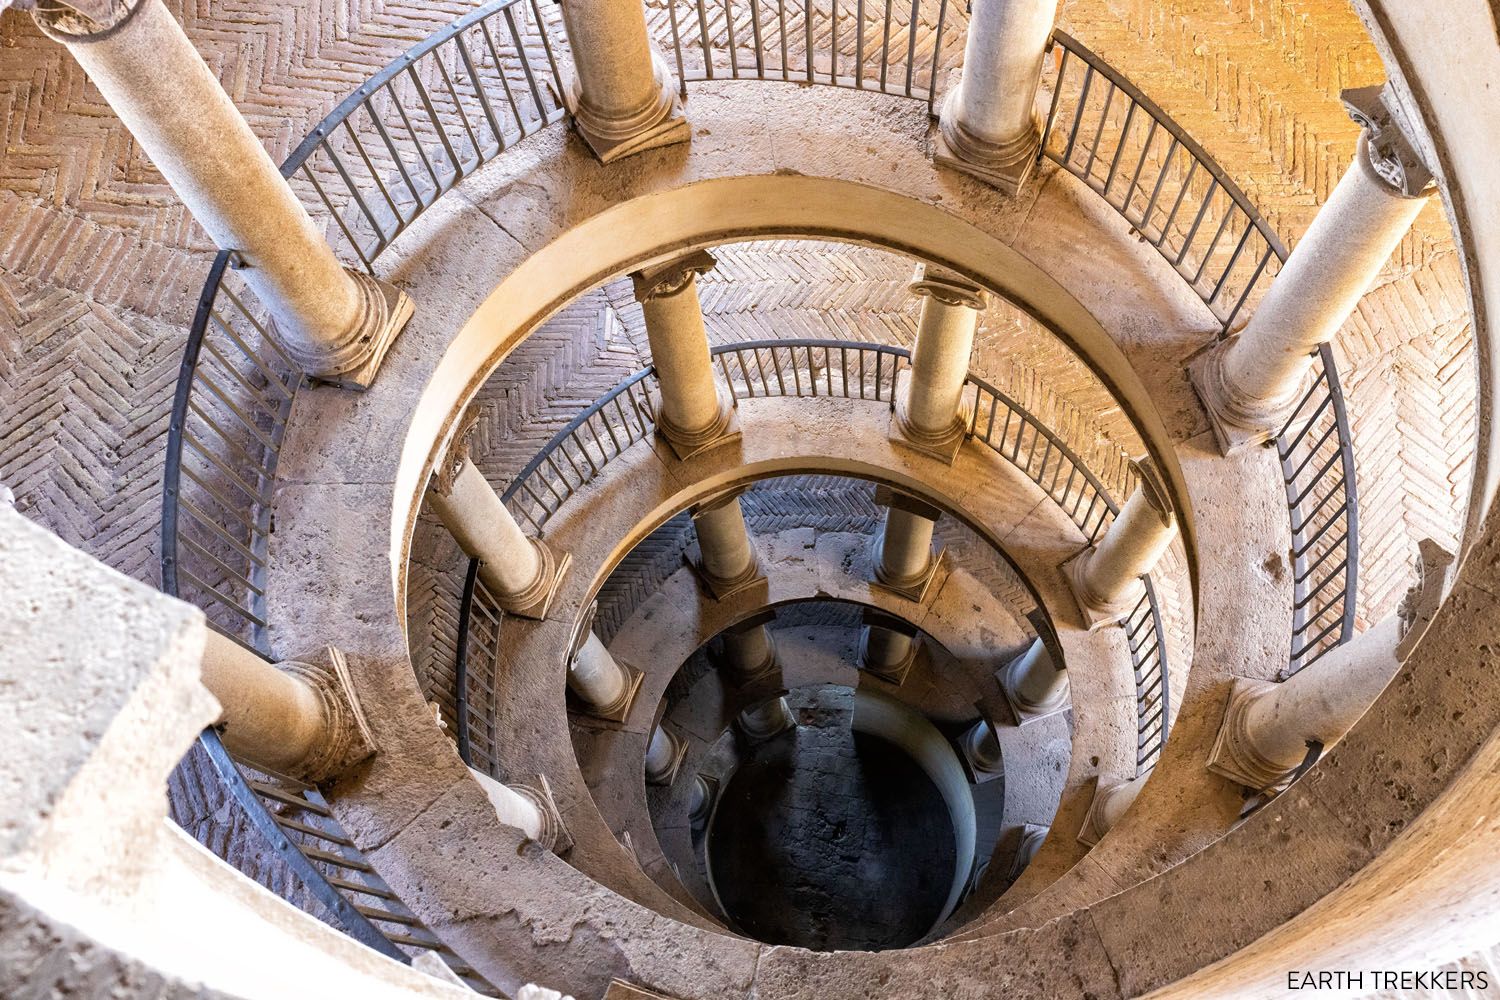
[[1386, 146], [948, 287], [664, 280], [348, 740], [78, 20], [456, 456], [1152, 487], [1434, 576]]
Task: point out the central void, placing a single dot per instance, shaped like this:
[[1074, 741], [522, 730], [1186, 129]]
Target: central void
[[831, 839]]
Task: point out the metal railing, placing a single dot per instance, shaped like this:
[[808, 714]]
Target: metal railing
[[905, 48], [579, 452], [453, 102], [1104, 131]]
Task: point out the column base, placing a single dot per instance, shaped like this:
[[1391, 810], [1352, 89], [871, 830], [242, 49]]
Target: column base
[[894, 673], [753, 735], [1233, 755], [721, 588], [554, 836], [942, 445], [1024, 712], [978, 769], [679, 752], [1237, 424], [1003, 165], [1094, 825], [536, 602], [661, 124], [349, 741], [723, 431], [387, 311], [917, 589], [620, 710], [1097, 616]]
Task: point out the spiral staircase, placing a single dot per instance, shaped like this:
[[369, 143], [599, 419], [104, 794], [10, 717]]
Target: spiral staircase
[[816, 776]]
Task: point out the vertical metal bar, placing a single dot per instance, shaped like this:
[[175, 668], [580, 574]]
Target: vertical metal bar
[[859, 45], [911, 45], [734, 59], [937, 57], [885, 48]]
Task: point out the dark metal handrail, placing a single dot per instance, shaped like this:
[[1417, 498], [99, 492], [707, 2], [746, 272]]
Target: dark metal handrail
[[1104, 131], [858, 44], [453, 102], [578, 453]]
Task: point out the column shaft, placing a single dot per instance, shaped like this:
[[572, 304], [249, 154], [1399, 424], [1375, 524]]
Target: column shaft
[[519, 571], [724, 544], [333, 322], [749, 652], [1267, 726], [989, 124], [663, 756], [597, 678], [763, 721], [1033, 682], [928, 412], [271, 718], [1106, 578], [622, 96], [886, 650], [905, 554], [693, 413]]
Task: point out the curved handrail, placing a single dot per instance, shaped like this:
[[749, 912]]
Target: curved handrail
[[578, 453], [857, 44], [1144, 165], [367, 171]]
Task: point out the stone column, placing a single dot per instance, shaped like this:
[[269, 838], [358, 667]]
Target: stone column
[[299, 719], [528, 810], [770, 718], [904, 559], [700, 800], [605, 685], [749, 648], [887, 646], [1032, 837], [989, 126], [335, 323], [622, 96], [1106, 577], [664, 753], [1251, 383], [695, 414], [1034, 684], [522, 573], [981, 750], [724, 558], [928, 414], [1109, 803], [1267, 726]]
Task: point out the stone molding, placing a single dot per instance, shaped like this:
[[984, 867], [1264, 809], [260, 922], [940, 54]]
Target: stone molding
[[347, 737], [672, 277], [1386, 146], [1233, 755], [1435, 566]]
